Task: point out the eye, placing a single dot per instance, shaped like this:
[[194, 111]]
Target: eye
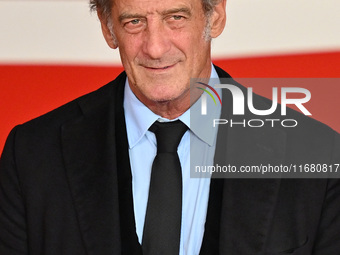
[[177, 21], [134, 25], [135, 22], [177, 17]]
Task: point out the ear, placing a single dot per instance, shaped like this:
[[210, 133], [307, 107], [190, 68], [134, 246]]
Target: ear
[[218, 19], [107, 32]]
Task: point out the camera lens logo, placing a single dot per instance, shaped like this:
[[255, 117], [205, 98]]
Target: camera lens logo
[[209, 93]]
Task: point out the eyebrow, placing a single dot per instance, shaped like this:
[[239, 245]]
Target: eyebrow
[[126, 15], [176, 10], [129, 16]]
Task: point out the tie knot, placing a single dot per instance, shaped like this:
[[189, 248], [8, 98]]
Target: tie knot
[[168, 135]]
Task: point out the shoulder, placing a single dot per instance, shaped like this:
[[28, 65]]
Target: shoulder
[[305, 137], [297, 122], [309, 126], [308, 141]]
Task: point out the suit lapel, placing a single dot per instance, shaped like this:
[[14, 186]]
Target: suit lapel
[[90, 163], [129, 238], [95, 180], [246, 205]]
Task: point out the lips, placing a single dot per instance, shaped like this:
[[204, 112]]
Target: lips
[[158, 65], [157, 68], [160, 68]]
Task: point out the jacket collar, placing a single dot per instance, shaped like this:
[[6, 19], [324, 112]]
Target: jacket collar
[[98, 170], [247, 204]]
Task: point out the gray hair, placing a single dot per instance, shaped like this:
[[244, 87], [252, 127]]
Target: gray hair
[[105, 6]]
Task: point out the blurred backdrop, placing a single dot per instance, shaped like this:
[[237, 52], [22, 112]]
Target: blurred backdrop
[[52, 51]]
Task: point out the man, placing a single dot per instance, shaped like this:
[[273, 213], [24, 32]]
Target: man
[[77, 180]]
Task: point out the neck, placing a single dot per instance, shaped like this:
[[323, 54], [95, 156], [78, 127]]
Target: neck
[[174, 108]]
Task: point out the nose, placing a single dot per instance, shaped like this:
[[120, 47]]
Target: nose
[[156, 40]]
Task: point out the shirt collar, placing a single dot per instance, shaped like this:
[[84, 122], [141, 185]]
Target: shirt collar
[[139, 118], [202, 125]]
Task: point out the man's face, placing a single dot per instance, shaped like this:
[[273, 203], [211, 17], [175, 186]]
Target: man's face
[[162, 46]]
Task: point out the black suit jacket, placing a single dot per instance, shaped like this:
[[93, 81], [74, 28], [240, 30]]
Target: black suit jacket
[[65, 186]]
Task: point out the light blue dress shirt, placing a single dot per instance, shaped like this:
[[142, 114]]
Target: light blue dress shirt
[[142, 151]]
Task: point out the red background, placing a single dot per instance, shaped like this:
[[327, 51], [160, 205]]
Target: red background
[[28, 91]]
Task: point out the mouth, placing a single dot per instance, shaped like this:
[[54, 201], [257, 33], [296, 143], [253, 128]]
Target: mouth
[[156, 68], [161, 68]]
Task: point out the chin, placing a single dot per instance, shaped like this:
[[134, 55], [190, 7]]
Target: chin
[[162, 98]]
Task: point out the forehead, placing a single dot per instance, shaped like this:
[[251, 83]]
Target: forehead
[[154, 6]]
